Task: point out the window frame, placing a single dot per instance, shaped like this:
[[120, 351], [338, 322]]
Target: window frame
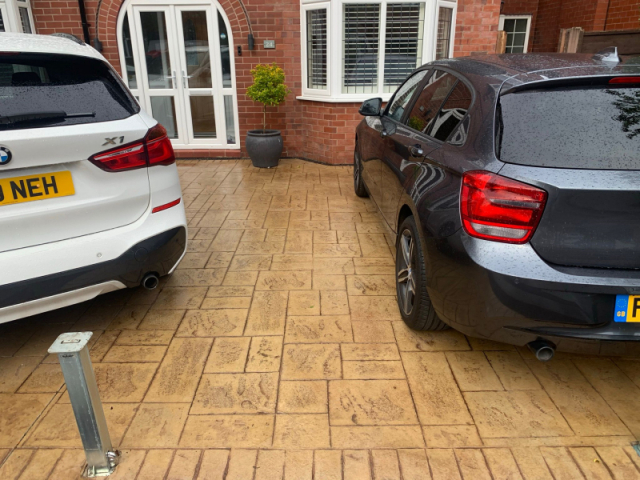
[[518, 17], [335, 54], [304, 7], [453, 6], [11, 15]]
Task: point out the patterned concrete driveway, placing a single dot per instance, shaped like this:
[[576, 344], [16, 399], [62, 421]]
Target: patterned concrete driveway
[[276, 351]]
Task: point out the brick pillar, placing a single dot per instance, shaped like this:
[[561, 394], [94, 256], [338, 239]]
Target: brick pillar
[[476, 27]]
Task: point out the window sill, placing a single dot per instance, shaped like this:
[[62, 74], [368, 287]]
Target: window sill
[[344, 98]]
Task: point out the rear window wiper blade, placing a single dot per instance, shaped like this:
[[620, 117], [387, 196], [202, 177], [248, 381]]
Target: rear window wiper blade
[[40, 116]]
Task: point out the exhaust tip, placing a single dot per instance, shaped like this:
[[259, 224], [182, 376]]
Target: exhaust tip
[[544, 350], [150, 281]]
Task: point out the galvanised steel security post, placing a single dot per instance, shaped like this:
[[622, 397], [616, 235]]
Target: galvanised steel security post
[[73, 354]]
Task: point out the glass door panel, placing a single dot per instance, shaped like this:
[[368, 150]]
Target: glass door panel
[[196, 49], [225, 58], [163, 109], [127, 47], [156, 49], [162, 95], [203, 116], [203, 106]]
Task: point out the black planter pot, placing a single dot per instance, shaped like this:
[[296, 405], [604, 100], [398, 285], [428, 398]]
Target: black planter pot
[[264, 147]]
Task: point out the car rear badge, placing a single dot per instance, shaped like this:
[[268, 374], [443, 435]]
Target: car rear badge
[[5, 156]]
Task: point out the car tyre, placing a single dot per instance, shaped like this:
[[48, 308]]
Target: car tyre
[[358, 182], [414, 303]]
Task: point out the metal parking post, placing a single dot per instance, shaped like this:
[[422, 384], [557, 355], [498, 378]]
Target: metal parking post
[[73, 354]]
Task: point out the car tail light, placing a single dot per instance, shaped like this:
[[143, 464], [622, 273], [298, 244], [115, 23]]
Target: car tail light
[[159, 146], [625, 80], [122, 158], [154, 149], [498, 208]]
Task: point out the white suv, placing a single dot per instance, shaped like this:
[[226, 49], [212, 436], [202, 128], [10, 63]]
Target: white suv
[[90, 199]]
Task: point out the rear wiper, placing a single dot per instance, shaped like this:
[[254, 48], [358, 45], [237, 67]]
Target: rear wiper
[[40, 116]]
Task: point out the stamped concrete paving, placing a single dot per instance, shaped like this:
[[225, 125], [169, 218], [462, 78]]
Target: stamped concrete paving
[[276, 351]]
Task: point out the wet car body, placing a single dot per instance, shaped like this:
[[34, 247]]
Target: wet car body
[[560, 286]]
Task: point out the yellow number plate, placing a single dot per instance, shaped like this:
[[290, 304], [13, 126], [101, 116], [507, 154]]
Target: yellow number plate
[[627, 308], [35, 187]]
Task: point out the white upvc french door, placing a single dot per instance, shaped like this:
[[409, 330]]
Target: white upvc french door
[[183, 72], [199, 70]]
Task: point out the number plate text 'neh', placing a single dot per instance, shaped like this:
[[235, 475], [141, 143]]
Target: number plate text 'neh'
[[35, 187]]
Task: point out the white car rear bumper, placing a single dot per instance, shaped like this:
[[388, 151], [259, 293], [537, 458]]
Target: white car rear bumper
[[44, 277]]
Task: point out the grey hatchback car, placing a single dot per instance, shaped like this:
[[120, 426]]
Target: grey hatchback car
[[512, 183]]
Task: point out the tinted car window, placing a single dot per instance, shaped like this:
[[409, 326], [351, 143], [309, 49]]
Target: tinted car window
[[403, 95], [35, 83], [452, 112], [429, 101], [593, 127]]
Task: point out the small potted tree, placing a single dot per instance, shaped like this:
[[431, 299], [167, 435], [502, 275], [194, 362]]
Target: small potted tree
[[265, 146]]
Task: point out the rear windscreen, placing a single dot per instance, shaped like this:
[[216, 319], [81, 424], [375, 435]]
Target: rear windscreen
[[588, 127], [85, 90]]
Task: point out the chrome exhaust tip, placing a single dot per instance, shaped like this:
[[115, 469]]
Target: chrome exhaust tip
[[544, 350], [150, 281]]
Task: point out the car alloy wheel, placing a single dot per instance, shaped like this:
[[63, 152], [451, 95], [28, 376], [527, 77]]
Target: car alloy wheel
[[358, 183], [406, 274]]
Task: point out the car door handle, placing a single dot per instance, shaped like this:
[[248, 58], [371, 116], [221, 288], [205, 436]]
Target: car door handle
[[416, 151]]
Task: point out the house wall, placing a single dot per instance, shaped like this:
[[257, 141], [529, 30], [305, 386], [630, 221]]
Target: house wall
[[476, 27], [623, 15], [549, 16], [319, 131]]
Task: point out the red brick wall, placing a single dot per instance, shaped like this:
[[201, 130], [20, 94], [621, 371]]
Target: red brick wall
[[592, 15], [623, 15], [314, 130], [476, 27], [52, 16]]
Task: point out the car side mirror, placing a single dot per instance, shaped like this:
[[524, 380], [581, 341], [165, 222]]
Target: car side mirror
[[371, 107]]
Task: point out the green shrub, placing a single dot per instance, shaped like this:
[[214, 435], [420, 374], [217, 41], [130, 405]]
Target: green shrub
[[268, 88]]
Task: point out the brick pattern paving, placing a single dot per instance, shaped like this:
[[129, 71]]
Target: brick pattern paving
[[276, 351]]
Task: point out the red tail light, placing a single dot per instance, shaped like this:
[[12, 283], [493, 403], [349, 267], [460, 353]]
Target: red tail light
[[122, 158], [625, 80], [154, 149], [498, 208], [159, 147]]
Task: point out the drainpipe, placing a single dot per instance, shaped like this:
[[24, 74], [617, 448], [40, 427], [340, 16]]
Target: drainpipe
[[250, 39], [83, 20], [97, 44]]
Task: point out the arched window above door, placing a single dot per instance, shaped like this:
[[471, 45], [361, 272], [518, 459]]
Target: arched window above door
[[177, 60]]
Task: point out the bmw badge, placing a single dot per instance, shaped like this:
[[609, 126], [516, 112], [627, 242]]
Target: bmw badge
[[5, 156]]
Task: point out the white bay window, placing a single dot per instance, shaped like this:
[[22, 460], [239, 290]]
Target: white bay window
[[356, 49]]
